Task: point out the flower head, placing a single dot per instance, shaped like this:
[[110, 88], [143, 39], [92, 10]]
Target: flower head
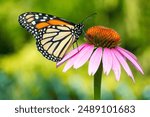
[[101, 48]]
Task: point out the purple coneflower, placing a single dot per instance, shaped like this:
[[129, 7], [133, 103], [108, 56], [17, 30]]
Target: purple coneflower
[[101, 49]]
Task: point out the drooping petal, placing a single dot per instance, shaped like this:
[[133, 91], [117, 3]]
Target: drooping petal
[[107, 60], [123, 63], [95, 61], [116, 66], [131, 54], [70, 62], [83, 56], [70, 54], [131, 59]]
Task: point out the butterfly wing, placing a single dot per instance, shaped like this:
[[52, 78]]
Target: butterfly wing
[[53, 35], [33, 21], [55, 41]]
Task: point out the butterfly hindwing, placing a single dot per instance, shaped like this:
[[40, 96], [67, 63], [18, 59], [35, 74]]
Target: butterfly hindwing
[[55, 42]]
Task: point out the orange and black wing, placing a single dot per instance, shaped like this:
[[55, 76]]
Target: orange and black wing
[[33, 22], [53, 35]]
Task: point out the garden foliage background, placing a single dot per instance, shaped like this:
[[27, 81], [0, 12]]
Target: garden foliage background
[[26, 74]]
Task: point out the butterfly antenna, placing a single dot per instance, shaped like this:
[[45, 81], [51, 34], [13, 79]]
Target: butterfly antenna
[[86, 18]]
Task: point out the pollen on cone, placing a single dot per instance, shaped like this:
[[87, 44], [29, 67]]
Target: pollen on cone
[[102, 36]]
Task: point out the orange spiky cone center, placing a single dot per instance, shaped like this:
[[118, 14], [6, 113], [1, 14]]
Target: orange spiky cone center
[[102, 37]]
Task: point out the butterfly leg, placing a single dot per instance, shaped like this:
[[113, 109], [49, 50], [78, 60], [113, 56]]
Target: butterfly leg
[[76, 45]]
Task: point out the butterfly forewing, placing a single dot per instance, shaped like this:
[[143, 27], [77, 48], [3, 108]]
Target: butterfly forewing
[[53, 35], [33, 21]]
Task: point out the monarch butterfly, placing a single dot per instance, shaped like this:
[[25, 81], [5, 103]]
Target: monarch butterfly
[[53, 35]]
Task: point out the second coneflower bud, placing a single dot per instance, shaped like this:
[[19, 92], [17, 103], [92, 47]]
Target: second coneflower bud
[[101, 36]]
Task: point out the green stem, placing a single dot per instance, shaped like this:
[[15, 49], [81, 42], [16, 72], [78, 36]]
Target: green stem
[[97, 83]]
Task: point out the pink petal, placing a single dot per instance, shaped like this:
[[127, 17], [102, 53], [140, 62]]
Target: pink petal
[[95, 61], [123, 63], [83, 56], [131, 54], [116, 66], [70, 62], [131, 59], [107, 60], [70, 54]]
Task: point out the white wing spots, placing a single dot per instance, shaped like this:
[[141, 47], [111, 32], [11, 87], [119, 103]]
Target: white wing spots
[[42, 20], [20, 17], [36, 17], [44, 17], [33, 22], [61, 36], [53, 27]]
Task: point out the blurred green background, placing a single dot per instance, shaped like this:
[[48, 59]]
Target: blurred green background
[[26, 74]]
